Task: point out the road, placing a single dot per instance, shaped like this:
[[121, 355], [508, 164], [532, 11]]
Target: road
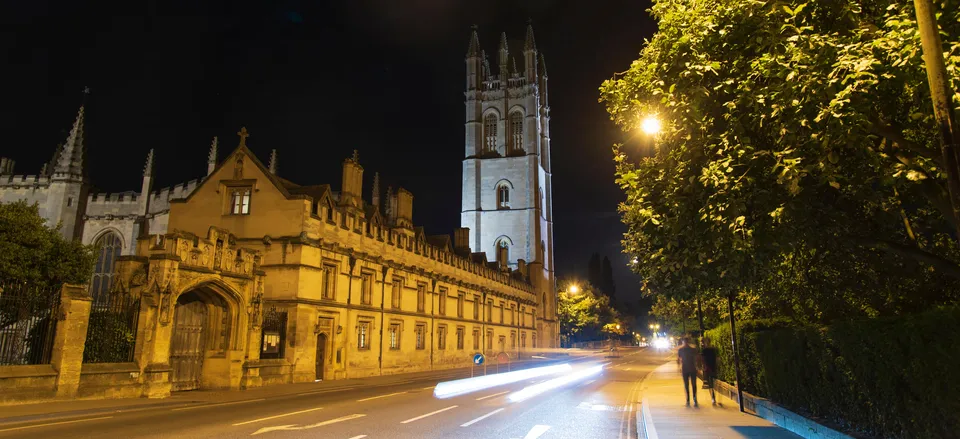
[[599, 406]]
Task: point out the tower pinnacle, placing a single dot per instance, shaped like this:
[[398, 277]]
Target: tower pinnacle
[[530, 43], [148, 168], [273, 162], [212, 156], [70, 158], [473, 49]]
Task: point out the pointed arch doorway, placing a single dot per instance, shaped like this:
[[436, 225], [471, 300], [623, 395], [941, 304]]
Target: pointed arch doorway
[[321, 354]]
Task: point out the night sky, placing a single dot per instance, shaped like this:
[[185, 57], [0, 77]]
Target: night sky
[[316, 81]]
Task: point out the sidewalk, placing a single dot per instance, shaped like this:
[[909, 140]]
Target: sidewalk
[[663, 414]]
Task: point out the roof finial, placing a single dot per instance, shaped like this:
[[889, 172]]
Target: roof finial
[[356, 156], [148, 168], [243, 136], [503, 41], [273, 162]]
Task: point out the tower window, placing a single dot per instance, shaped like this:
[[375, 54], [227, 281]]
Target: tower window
[[516, 131], [503, 251], [503, 196], [490, 132]]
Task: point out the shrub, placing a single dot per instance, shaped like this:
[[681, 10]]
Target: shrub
[[889, 377]]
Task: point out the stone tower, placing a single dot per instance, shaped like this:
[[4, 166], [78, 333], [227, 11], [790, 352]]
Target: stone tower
[[67, 195], [507, 188]]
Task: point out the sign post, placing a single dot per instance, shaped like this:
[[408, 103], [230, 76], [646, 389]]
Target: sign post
[[477, 360]]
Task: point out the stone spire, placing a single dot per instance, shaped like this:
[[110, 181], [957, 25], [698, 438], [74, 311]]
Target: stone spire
[[530, 43], [148, 168], [543, 82], [513, 65], [473, 50], [70, 157], [212, 156], [375, 198], [273, 162], [486, 66]]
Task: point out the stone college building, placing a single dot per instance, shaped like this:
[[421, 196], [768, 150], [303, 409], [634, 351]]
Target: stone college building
[[243, 278]]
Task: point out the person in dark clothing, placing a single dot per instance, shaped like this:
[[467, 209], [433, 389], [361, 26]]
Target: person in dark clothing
[[687, 357], [708, 358]]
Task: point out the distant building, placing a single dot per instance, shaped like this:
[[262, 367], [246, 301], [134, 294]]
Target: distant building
[[247, 278]]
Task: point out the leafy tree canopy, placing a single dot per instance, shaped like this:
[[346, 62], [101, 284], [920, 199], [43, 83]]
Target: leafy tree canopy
[[582, 309], [799, 161], [35, 254]]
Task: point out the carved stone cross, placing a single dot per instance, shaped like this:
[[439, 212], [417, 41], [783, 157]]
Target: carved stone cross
[[243, 136]]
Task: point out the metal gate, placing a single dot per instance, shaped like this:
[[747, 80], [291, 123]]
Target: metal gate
[[187, 346]]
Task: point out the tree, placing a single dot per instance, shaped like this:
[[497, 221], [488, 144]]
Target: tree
[[798, 165], [606, 283], [581, 312], [32, 253]]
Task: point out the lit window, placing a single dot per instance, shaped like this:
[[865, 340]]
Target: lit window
[[476, 308], [421, 297], [362, 331], [443, 302], [476, 339], [490, 132], [503, 197], [460, 338], [516, 131], [240, 202], [395, 336], [490, 311], [460, 300]]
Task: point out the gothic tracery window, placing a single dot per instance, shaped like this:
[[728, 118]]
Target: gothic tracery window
[[516, 131], [490, 133], [240, 202], [108, 248]]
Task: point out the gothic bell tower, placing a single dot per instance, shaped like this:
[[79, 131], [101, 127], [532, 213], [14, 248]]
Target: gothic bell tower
[[507, 188]]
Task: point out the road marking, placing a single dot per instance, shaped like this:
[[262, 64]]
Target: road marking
[[482, 418], [627, 369], [306, 427], [55, 423], [359, 436], [381, 396], [428, 414], [536, 431], [217, 405], [491, 396], [425, 388], [277, 416]]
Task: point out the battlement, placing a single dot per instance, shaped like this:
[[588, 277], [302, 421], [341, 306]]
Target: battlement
[[160, 200], [24, 180]]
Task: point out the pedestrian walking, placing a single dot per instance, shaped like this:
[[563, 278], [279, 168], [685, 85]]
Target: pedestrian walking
[[708, 358], [687, 357]]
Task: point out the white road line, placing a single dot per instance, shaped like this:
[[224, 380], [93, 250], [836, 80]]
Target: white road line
[[648, 427], [216, 405], [381, 396], [307, 427], [425, 388], [327, 391], [482, 418], [536, 431], [491, 396], [278, 416], [54, 423], [589, 382], [359, 436], [428, 414]]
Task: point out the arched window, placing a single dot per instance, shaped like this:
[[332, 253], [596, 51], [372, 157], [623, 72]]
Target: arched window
[[503, 251], [108, 248], [490, 133], [503, 196], [516, 131]]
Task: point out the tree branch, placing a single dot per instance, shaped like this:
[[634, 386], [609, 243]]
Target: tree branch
[[895, 135], [945, 266]]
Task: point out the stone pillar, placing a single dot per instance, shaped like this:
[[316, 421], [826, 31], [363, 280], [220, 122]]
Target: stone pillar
[[71, 334]]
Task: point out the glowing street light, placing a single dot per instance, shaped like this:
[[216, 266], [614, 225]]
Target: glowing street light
[[650, 125], [574, 289]]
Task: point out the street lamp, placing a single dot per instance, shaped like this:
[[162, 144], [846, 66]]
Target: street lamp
[[573, 289], [650, 125]]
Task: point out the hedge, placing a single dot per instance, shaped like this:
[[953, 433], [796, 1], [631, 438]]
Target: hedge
[[890, 378]]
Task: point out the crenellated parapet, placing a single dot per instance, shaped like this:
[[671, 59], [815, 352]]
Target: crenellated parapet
[[23, 181], [160, 199]]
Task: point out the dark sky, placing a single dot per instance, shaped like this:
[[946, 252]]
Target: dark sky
[[316, 81]]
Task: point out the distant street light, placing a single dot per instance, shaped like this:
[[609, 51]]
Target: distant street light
[[650, 125], [573, 289]]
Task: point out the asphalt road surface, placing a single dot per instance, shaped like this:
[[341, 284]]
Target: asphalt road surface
[[599, 406]]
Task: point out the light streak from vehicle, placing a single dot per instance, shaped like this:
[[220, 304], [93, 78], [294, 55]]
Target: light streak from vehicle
[[449, 389], [536, 389]]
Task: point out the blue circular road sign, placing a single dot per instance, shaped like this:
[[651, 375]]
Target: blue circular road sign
[[478, 358]]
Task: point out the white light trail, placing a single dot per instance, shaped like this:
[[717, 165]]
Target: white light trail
[[536, 389], [449, 389]]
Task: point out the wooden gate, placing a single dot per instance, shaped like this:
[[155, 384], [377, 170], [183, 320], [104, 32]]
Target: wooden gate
[[321, 354], [187, 347]]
